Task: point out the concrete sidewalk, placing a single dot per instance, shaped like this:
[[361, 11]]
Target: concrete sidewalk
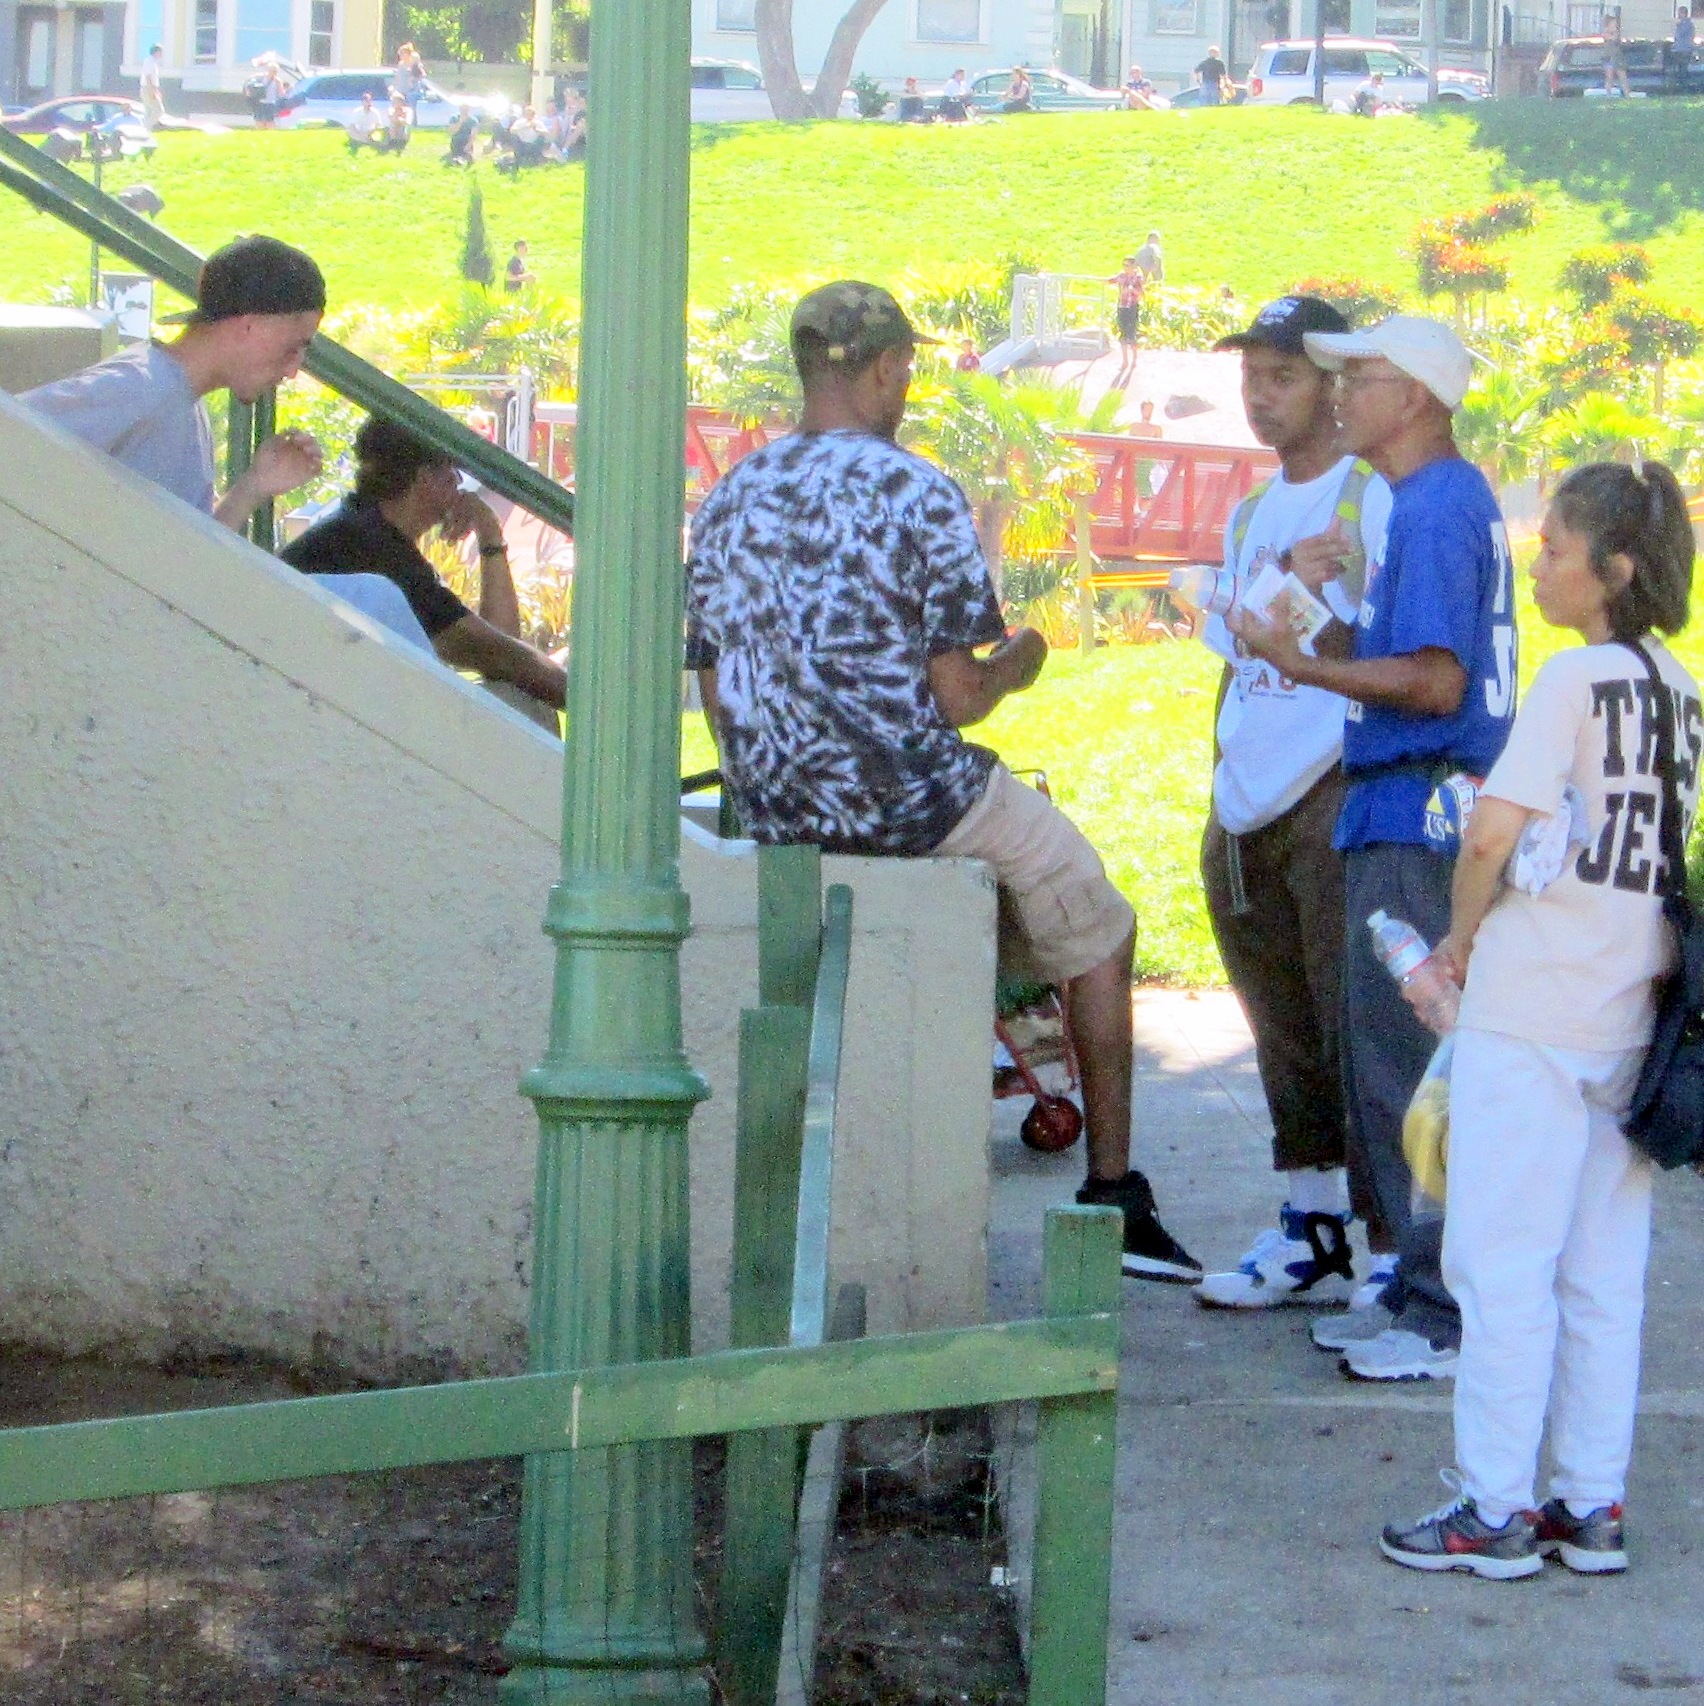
[[1253, 1478]]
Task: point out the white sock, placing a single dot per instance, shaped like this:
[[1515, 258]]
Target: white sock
[[1318, 1190], [1493, 1516], [1580, 1509]]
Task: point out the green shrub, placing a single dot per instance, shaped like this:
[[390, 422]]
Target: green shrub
[[1358, 300], [1592, 274], [871, 97]]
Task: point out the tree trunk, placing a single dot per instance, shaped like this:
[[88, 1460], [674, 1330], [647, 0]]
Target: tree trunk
[[787, 98], [837, 62], [990, 517]]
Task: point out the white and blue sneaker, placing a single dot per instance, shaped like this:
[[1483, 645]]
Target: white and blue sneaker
[[1303, 1259]]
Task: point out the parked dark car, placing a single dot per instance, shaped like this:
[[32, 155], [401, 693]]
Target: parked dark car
[[81, 113], [1572, 67]]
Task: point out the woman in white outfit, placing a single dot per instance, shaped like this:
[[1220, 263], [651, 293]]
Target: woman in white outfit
[[1548, 1211]]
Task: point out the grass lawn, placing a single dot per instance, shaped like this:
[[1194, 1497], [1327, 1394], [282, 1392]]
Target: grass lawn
[[1125, 737], [1255, 198]]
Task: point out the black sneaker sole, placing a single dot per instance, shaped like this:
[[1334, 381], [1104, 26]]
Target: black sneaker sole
[[1156, 1268]]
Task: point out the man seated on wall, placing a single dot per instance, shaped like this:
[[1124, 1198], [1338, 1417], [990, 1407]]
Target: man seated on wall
[[838, 604], [404, 488]]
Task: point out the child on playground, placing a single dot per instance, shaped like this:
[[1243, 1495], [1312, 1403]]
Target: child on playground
[[1548, 1209]]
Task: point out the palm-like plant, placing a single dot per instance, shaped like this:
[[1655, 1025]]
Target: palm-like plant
[[1006, 445], [1600, 428], [1498, 426]]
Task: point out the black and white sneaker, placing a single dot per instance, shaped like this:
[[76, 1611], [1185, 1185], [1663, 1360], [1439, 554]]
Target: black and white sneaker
[[1589, 1545], [1150, 1252]]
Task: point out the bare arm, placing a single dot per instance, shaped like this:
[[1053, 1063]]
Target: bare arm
[[280, 465], [472, 643], [1493, 828], [1426, 683], [967, 687], [498, 604]]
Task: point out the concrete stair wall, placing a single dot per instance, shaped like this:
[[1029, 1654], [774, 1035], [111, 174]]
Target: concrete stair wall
[[271, 969]]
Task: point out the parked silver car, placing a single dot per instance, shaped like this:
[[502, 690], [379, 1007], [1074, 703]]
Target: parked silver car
[[1283, 74], [332, 98], [730, 91]]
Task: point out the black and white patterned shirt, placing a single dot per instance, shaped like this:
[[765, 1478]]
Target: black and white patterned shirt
[[825, 571]]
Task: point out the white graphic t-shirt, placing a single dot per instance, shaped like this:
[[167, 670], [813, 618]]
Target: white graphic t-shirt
[[1276, 739], [1573, 966]]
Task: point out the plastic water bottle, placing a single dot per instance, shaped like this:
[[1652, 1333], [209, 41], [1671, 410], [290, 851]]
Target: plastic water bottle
[[1212, 591], [1426, 986]]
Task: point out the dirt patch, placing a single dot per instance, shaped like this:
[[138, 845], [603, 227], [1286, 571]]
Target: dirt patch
[[397, 1588]]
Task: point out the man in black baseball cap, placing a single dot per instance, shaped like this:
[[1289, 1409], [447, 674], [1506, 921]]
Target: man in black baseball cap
[[258, 304], [1274, 884]]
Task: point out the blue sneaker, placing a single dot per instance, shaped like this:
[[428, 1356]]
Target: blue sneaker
[[1304, 1259]]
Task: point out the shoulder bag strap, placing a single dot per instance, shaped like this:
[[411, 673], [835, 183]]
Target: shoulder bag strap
[[1670, 831]]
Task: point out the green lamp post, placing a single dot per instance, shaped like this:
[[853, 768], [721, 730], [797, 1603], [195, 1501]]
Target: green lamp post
[[606, 1610]]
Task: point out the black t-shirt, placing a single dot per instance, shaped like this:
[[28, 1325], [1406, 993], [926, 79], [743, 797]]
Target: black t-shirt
[[355, 539], [1213, 70]]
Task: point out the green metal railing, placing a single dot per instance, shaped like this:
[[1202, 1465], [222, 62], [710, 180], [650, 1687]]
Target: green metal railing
[[55, 189]]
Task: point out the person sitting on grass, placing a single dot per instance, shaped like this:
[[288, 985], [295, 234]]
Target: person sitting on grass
[[838, 604], [365, 127], [462, 136], [954, 105], [913, 109], [405, 489], [526, 142], [258, 304], [398, 123], [1547, 1220], [1138, 91]]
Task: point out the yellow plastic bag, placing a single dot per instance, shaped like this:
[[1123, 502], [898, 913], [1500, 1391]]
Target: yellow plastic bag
[[1426, 1125]]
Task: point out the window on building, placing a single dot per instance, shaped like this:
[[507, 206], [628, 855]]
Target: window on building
[[1398, 19], [38, 54], [949, 20], [1458, 20], [91, 50], [322, 25], [1175, 18], [737, 15], [206, 32]]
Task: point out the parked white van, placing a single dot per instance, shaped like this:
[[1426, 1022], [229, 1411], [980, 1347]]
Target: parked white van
[[1283, 74]]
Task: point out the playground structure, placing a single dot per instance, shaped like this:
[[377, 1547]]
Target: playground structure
[[1055, 317]]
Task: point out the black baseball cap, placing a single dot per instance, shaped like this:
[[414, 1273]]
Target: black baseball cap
[[1282, 325], [254, 275]]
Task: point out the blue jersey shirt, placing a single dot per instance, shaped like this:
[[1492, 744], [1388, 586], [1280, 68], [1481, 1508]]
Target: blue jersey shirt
[[1446, 581]]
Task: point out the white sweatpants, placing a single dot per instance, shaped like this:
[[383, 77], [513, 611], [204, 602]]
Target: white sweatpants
[[1546, 1233]]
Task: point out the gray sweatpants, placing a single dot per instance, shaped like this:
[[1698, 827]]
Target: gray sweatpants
[[1385, 1051]]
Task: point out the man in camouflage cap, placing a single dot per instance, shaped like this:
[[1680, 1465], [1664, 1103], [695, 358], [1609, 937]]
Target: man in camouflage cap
[[836, 600]]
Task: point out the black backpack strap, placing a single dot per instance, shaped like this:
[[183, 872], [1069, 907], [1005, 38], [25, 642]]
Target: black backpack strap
[[1671, 836]]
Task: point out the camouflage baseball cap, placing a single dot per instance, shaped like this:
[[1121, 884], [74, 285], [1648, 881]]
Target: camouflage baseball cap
[[856, 321]]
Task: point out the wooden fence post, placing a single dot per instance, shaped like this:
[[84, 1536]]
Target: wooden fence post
[[1076, 1446]]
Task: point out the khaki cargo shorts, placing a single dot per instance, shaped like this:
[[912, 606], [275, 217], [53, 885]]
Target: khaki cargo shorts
[[1060, 916]]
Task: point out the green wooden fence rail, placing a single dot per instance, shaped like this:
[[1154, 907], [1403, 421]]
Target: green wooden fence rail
[[57, 190]]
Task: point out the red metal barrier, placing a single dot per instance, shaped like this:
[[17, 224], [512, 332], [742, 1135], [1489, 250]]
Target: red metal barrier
[[1162, 502]]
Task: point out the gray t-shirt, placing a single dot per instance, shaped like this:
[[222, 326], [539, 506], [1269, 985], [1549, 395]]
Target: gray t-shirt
[[138, 407]]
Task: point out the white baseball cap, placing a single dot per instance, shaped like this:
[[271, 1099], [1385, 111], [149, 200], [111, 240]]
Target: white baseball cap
[[1426, 350]]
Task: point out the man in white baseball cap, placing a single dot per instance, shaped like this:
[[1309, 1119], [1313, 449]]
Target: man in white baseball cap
[[1426, 350], [1431, 690]]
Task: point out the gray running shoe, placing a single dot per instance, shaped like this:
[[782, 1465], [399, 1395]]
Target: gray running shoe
[[1457, 1538], [1398, 1354], [1352, 1327], [1589, 1545]]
